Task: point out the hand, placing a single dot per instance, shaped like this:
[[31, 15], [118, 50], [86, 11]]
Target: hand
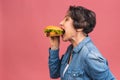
[[54, 42]]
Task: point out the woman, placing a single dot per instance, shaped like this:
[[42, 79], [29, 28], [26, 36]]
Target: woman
[[82, 60]]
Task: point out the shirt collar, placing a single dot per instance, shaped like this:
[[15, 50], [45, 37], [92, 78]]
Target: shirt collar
[[81, 44]]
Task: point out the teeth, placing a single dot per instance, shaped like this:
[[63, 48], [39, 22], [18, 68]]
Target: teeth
[[63, 31]]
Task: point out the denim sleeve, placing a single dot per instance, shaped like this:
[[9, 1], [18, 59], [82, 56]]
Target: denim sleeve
[[54, 63], [97, 68]]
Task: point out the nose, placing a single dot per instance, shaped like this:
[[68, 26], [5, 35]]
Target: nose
[[61, 23]]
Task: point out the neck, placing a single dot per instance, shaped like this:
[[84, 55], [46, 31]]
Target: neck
[[77, 39]]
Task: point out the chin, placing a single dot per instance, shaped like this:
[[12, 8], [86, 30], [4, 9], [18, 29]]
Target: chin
[[65, 40]]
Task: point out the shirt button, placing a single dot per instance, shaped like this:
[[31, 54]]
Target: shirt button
[[74, 74]]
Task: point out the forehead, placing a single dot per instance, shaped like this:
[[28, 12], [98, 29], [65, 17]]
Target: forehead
[[67, 18], [68, 14]]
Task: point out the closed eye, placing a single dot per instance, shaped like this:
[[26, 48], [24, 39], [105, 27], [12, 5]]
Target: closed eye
[[67, 18]]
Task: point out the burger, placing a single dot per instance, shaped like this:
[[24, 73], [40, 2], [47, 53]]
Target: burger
[[53, 31]]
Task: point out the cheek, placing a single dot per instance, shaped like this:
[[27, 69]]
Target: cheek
[[70, 33]]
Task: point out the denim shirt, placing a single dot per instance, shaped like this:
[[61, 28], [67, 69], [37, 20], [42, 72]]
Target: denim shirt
[[87, 63]]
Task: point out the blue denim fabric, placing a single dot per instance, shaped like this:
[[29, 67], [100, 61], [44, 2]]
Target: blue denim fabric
[[87, 63]]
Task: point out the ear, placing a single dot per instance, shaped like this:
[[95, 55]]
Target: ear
[[79, 30]]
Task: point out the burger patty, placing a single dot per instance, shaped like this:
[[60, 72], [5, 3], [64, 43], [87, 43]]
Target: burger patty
[[56, 31]]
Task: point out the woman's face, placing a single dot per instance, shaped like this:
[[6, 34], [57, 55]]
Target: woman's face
[[67, 26]]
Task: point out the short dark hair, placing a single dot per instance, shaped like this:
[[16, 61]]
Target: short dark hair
[[83, 18]]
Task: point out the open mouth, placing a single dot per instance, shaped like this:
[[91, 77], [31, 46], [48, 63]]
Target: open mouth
[[63, 31]]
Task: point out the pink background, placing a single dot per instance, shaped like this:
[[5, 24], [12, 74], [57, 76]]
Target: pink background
[[24, 48]]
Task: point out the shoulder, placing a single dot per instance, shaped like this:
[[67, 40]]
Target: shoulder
[[90, 50], [91, 53], [95, 61]]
